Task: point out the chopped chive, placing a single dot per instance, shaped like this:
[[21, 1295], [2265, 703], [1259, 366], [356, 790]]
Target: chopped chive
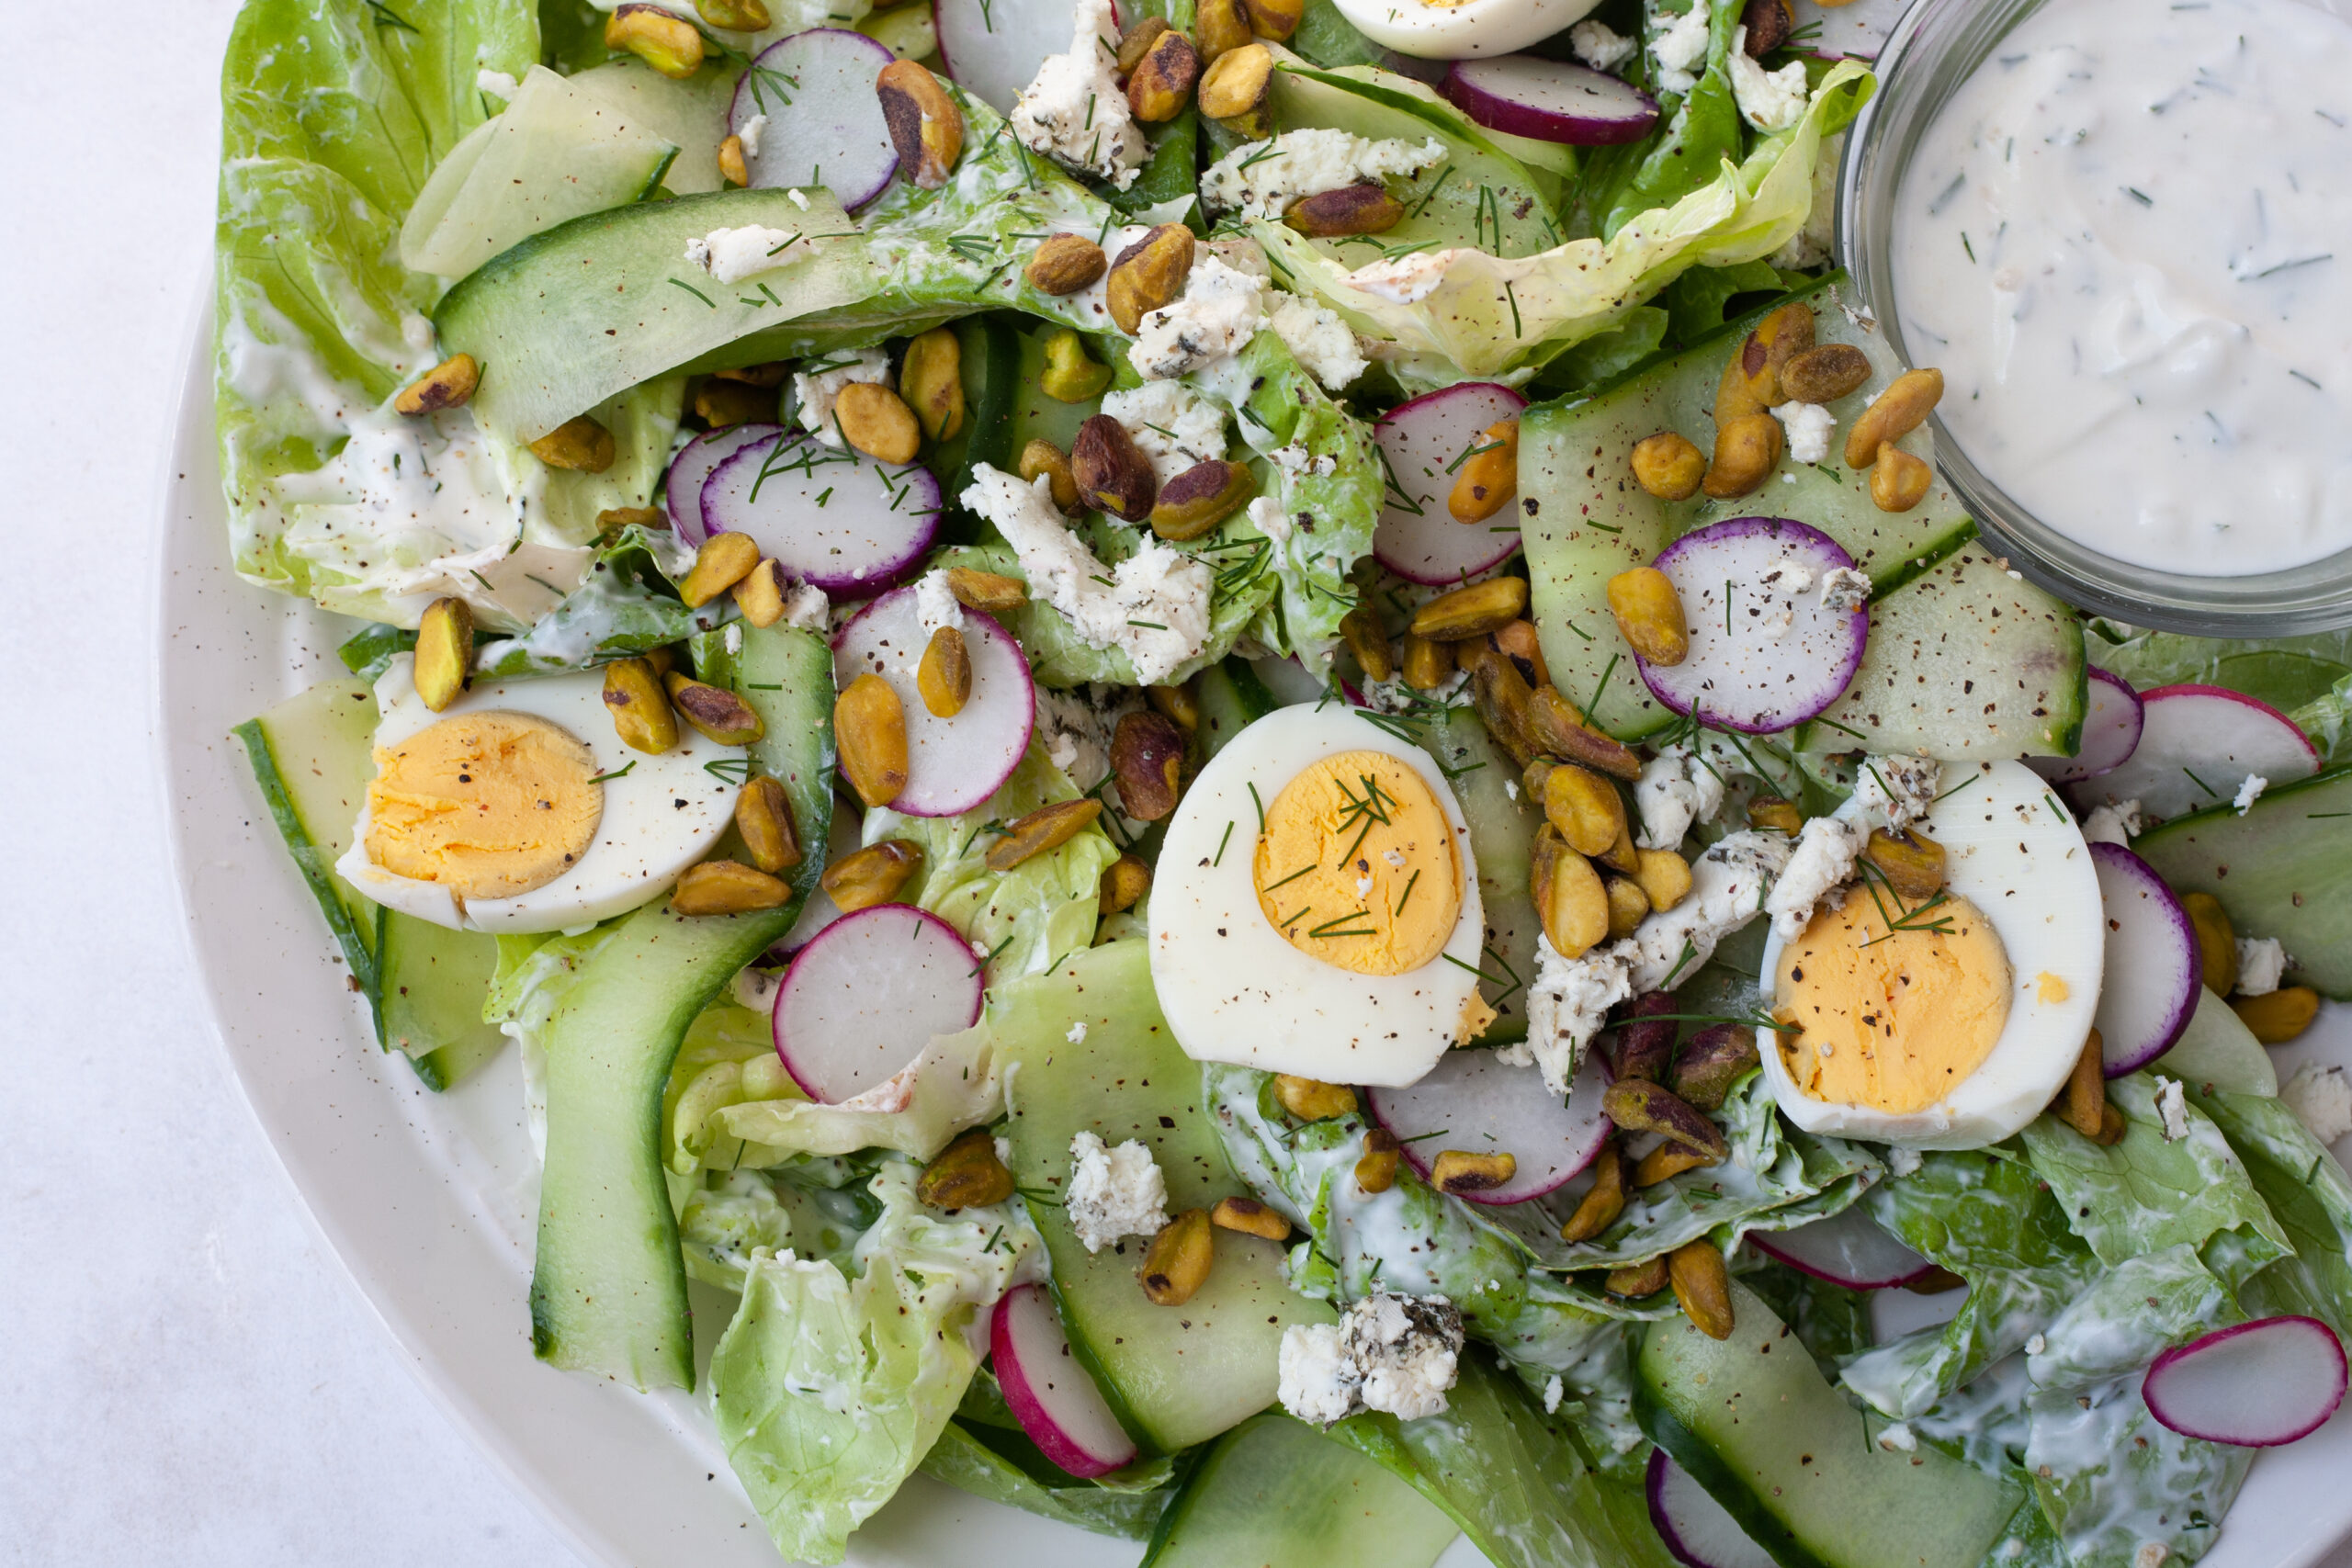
[[1408, 890], [697, 293], [1222, 842], [1294, 876], [616, 773], [1259, 805]]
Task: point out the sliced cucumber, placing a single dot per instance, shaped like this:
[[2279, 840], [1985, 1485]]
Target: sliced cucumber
[[1753, 1419], [1586, 520], [428, 1004], [311, 758], [1232, 698], [1278, 1493], [1176, 1375], [692, 113], [1502, 840], [609, 1291], [1963, 661], [2282, 869]]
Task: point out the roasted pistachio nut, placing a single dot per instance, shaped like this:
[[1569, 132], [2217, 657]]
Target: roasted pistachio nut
[[1137, 41], [1602, 1201], [1363, 208], [1250, 1218], [1069, 376], [445, 652], [721, 403], [1237, 90], [1064, 263], [1519, 643], [1275, 19], [1636, 1279], [1648, 612], [1149, 274], [640, 708], [1427, 665], [870, 732], [1219, 27], [612, 519], [2280, 1016], [1668, 467], [1894, 414], [1376, 1167], [1200, 498], [764, 820], [1112, 472], [1360, 629], [446, 386], [1775, 814], [1702, 1286], [1640, 1106], [2113, 1127], [735, 16], [1666, 1162], [2082, 1103], [1147, 760], [727, 887], [1161, 84], [1628, 905], [1769, 25], [1746, 452], [1561, 731], [944, 676], [1898, 481], [1568, 896], [1646, 1037], [579, 443], [669, 43], [2217, 942], [718, 713], [1177, 1262], [767, 373], [1585, 808], [1312, 1100], [877, 421], [761, 595], [872, 875], [1041, 831], [1458, 1171], [722, 561], [1041, 457], [1488, 477], [1124, 882], [1912, 862], [1664, 877], [967, 1175], [1778, 338], [1732, 399], [1824, 373], [991, 594], [1502, 697], [1181, 705], [926, 128], [1474, 611], [931, 382], [1710, 1062]]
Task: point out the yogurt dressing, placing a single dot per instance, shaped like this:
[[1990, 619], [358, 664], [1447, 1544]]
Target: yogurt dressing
[[2127, 242]]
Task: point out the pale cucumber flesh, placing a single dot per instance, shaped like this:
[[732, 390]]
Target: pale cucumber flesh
[[1279, 1492]]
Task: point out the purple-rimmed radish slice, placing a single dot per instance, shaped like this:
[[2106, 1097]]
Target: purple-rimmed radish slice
[[2197, 746], [1422, 445], [2111, 726], [1049, 1390], [1765, 653], [820, 119], [2256, 1385], [2151, 975], [953, 764], [1549, 100], [993, 48], [1471, 1102], [692, 468], [1848, 1248], [868, 994], [833, 516], [1699, 1530]]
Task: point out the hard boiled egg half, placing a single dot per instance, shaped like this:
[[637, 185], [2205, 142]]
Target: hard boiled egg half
[[1316, 906], [1462, 29], [517, 808], [1947, 1022]]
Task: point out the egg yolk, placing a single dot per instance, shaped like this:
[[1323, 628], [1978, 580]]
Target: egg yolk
[[1891, 1019], [1356, 865], [488, 805]]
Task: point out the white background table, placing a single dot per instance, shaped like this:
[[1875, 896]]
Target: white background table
[[186, 1375]]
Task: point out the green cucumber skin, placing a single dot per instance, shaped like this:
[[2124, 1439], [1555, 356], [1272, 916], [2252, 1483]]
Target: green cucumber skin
[[2282, 869], [1232, 698], [315, 868], [1686, 1448], [428, 1004]]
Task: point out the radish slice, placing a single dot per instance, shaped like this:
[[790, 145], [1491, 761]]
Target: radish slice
[[2197, 746], [2255, 1386], [823, 119], [834, 518], [1848, 1248], [691, 469], [1470, 1101], [1421, 446], [2153, 977], [2110, 733], [1760, 660], [953, 764], [992, 47], [1549, 100], [1699, 1530], [864, 998], [1049, 1394]]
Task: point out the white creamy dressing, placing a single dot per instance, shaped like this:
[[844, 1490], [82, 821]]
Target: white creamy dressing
[[2125, 243]]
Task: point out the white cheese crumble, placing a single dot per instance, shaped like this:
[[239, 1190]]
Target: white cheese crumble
[[1297, 462], [1600, 46], [2117, 822], [1077, 1035], [750, 135], [731, 255], [1844, 589], [2249, 792], [1898, 1439], [1406, 279], [936, 605], [1826, 851], [1315, 1380], [2320, 1098], [2262, 964], [1266, 514], [1676, 789], [1155, 606], [1809, 427], [2172, 1108], [1318, 340], [1113, 1192], [1261, 179], [1391, 1353], [1078, 726], [1768, 100], [1218, 314], [1681, 48], [497, 84], [798, 198], [1900, 788], [807, 609], [1552, 1391], [1075, 111], [1902, 1161], [814, 389], [1771, 602], [1175, 426]]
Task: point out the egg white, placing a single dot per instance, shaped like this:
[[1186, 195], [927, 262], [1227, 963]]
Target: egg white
[[2011, 850], [1476, 28], [660, 818], [1232, 989]]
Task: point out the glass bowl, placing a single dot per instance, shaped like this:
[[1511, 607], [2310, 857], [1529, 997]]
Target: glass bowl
[[1931, 51]]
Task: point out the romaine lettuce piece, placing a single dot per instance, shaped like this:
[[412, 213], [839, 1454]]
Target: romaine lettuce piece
[[2308, 1194]]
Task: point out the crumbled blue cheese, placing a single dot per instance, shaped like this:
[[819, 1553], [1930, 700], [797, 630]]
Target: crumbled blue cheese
[[1899, 788], [1075, 111], [731, 255], [1261, 179], [2172, 1108], [1844, 589], [497, 84], [1891, 791], [1600, 46], [750, 134], [1318, 340], [807, 609], [1113, 1192], [1154, 606], [1768, 100], [1408, 280], [1675, 790], [1391, 1353], [1809, 427], [1315, 1380], [1175, 426], [2249, 792], [2117, 822], [936, 605], [819, 381], [1770, 602], [1218, 314], [1681, 49], [2320, 1098], [2262, 964]]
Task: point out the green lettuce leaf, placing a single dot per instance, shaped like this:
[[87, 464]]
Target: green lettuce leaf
[[952, 1084], [2307, 1191], [734, 1217], [971, 1457], [625, 605]]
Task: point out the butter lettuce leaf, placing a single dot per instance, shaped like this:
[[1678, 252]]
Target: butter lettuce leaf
[[971, 1457], [2308, 1194]]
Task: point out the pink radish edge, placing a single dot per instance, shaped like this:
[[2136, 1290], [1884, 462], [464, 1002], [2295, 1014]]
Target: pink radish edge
[[682, 485], [2189, 727], [1741, 677], [1417, 441], [2295, 1382], [846, 1023], [1549, 100], [1552, 1140], [953, 764], [1848, 1248], [1697, 1529], [1049, 1390], [2152, 973], [2112, 723]]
